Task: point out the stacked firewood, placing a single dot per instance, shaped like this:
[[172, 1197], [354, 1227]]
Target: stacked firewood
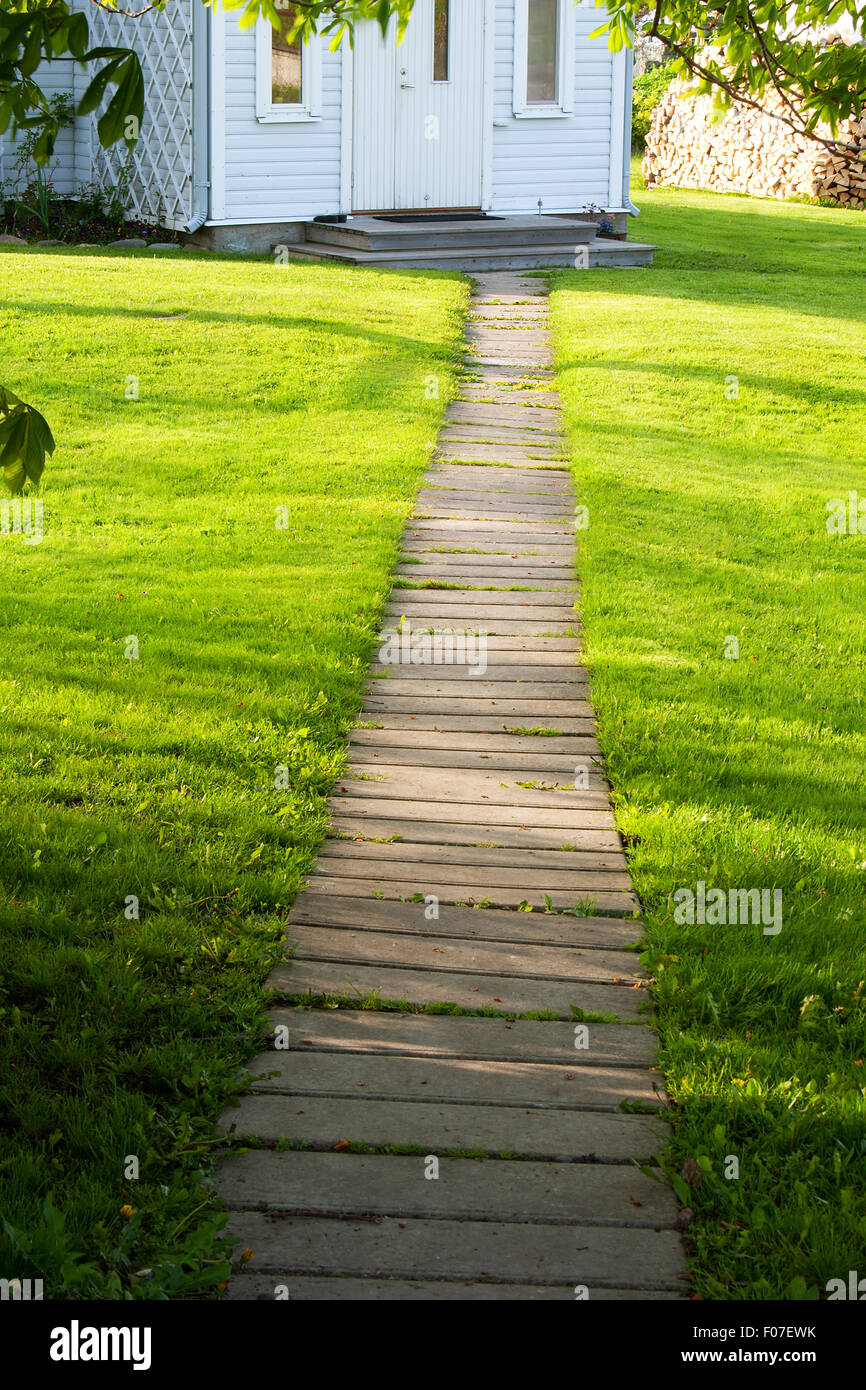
[[691, 145]]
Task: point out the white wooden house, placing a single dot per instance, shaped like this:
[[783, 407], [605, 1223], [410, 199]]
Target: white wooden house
[[503, 107]]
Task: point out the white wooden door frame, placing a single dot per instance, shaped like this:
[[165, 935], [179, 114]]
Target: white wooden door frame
[[347, 121]]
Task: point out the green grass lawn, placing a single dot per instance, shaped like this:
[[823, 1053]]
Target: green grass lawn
[[715, 405], [239, 519]]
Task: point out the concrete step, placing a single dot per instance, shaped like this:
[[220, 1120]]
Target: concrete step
[[378, 234], [600, 253]]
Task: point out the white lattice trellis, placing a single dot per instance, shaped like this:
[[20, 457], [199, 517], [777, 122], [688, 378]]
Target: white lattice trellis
[[161, 183]]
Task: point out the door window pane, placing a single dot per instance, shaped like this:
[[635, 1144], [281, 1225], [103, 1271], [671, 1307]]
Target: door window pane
[[287, 83], [440, 40], [542, 51]]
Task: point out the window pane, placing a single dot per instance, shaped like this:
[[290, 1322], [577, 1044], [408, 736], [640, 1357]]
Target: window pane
[[542, 50], [440, 40], [286, 61]]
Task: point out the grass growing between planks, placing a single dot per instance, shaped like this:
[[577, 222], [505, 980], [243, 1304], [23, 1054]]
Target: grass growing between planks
[[715, 405], [238, 447]]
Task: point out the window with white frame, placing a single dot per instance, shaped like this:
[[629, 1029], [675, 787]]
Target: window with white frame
[[544, 58], [288, 72]]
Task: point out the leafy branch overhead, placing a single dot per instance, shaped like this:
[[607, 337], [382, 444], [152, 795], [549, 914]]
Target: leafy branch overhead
[[805, 63]]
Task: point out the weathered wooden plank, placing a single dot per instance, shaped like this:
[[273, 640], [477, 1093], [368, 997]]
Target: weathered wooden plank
[[308, 979], [447, 507], [436, 1080], [573, 1256], [464, 603], [589, 1136], [433, 578], [476, 784], [499, 627], [526, 711], [447, 484], [483, 357], [360, 820], [450, 678], [495, 744], [554, 477], [491, 628], [617, 902], [489, 815], [565, 656], [524, 454], [444, 1035], [517, 507], [582, 878], [512, 339], [567, 726], [472, 432], [303, 1288], [465, 923], [524, 763], [546, 503], [546, 532], [438, 576], [385, 1185], [442, 529], [419, 951], [495, 393], [560, 553], [441, 785], [547, 487]]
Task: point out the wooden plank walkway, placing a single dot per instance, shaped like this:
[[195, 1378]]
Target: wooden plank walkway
[[478, 1154]]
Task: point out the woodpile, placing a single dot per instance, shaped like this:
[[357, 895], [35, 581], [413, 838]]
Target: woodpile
[[744, 151]]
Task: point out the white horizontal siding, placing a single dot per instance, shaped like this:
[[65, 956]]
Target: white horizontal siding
[[563, 160], [285, 170], [53, 78]]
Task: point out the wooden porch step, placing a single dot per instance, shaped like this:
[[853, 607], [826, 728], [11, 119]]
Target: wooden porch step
[[471, 259]]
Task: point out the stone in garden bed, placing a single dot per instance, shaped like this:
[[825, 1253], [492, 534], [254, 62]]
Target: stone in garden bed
[[127, 243], [6, 239], [50, 241]]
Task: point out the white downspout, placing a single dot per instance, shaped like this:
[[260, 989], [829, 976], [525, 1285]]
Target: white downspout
[[626, 136], [201, 29]]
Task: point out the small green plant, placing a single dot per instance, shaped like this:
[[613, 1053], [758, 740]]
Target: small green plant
[[32, 180]]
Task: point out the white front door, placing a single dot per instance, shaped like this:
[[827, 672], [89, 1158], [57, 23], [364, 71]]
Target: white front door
[[419, 110]]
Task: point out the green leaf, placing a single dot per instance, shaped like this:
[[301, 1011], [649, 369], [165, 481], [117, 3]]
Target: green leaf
[[127, 101], [681, 1188], [25, 439]]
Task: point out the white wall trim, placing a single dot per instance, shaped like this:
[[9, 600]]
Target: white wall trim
[[217, 114], [488, 107], [347, 124], [269, 112], [617, 127], [564, 105]]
